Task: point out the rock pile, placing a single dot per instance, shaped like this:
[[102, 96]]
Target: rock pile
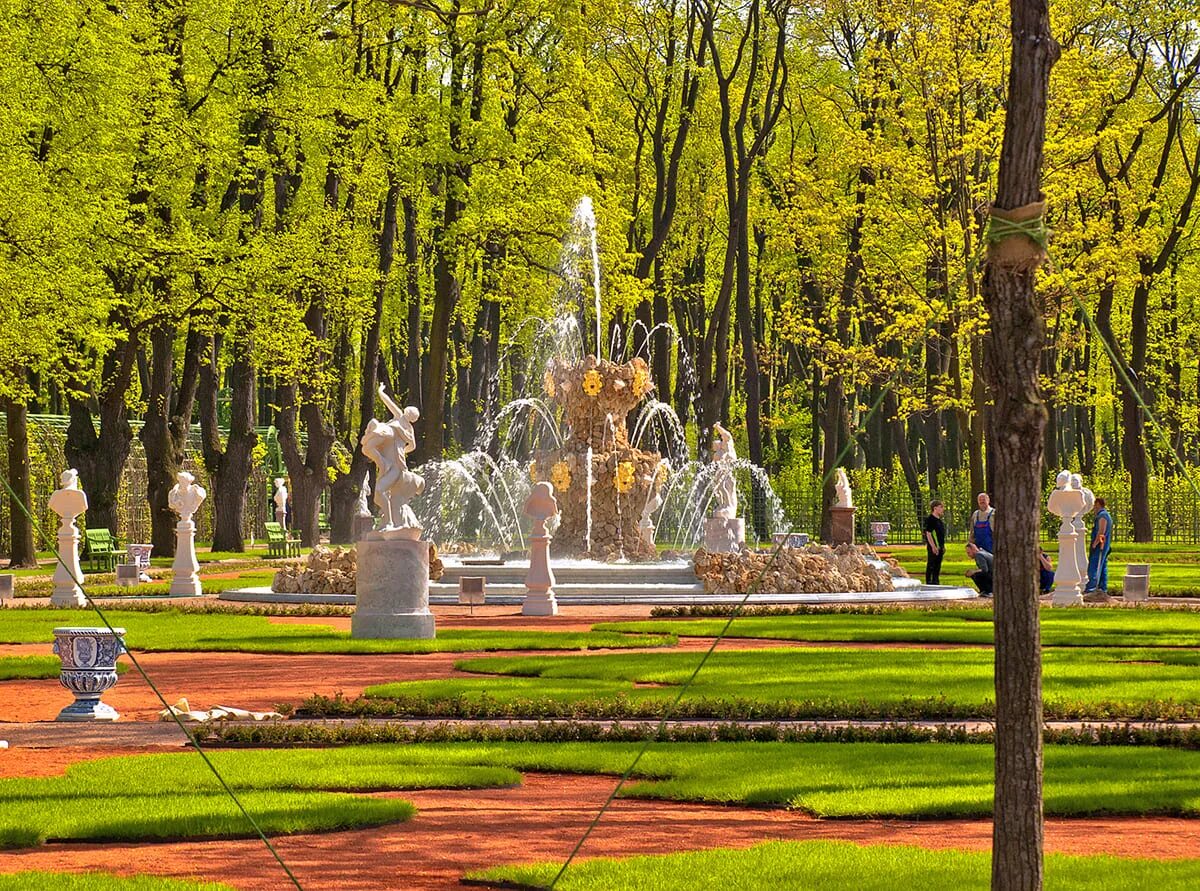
[[332, 570], [812, 569]]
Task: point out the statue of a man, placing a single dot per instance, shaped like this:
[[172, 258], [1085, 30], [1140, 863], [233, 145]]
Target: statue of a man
[[845, 497], [388, 444], [281, 495], [69, 501], [725, 488], [364, 493], [185, 496]]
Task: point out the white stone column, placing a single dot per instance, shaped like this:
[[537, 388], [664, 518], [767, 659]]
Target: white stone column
[[67, 571], [1066, 577], [186, 580], [539, 581]]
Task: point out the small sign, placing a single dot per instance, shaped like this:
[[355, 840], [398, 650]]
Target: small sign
[[128, 574], [472, 590], [6, 589], [790, 539]]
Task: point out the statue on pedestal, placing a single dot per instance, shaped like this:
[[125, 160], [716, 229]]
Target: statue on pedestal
[[281, 499], [845, 497], [364, 493], [68, 502], [539, 582], [1067, 502], [725, 494], [1081, 540], [185, 499], [388, 444]]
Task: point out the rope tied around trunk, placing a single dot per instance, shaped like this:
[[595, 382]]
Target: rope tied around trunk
[[1017, 238]]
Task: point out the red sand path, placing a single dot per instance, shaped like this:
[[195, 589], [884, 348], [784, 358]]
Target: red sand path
[[457, 831]]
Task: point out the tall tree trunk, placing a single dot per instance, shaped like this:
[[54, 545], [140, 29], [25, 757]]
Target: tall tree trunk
[[23, 553], [164, 432], [228, 466], [1012, 358], [100, 456]]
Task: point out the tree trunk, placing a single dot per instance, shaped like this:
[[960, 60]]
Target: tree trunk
[[229, 467], [164, 432], [23, 554], [100, 456], [1011, 360]]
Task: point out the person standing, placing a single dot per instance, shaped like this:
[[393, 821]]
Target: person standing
[[979, 533], [1102, 533], [935, 542]]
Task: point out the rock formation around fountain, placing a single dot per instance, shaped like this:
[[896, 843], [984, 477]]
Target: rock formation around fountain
[[812, 569], [332, 570]]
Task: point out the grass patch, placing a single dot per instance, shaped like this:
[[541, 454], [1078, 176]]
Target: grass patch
[[1060, 627], [174, 795], [813, 683], [831, 864], [105, 585], [232, 632], [35, 667], [100, 881]]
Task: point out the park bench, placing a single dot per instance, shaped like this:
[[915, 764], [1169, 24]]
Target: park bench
[[280, 543], [323, 524], [101, 551]]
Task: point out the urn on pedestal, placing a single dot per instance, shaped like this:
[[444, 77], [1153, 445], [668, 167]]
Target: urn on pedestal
[[89, 667]]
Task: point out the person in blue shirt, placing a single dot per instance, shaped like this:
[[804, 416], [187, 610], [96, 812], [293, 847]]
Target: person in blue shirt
[[1045, 571], [1102, 536], [979, 533]]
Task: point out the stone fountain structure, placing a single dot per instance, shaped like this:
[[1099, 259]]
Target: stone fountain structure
[[602, 482]]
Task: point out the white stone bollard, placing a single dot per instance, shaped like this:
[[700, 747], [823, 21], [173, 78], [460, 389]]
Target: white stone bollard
[[1136, 585]]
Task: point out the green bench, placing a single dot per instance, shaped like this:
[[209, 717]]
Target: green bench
[[101, 551], [279, 543], [323, 524]]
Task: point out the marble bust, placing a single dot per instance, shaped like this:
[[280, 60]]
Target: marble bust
[[69, 501], [185, 496]]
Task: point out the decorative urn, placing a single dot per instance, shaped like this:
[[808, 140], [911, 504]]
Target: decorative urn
[[89, 667]]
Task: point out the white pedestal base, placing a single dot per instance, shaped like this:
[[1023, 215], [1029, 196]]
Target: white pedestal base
[[186, 579], [66, 591], [392, 590], [1066, 577], [539, 603], [539, 581]]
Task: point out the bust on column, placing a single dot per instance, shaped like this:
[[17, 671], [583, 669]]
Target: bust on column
[[539, 582], [1066, 502], [842, 525], [185, 499], [68, 502]]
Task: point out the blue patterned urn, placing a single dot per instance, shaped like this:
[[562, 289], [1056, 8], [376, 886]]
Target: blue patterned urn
[[89, 667]]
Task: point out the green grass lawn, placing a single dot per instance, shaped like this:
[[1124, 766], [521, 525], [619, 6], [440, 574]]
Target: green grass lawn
[[34, 667], [1174, 569], [99, 881], [108, 588], [175, 796], [829, 864], [231, 632], [824, 682], [1060, 627], [293, 790]]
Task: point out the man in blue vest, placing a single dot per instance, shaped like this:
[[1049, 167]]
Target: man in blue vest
[[1101, 544]]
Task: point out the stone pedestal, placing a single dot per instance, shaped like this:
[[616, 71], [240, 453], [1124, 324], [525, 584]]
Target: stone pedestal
[[539, 582], [1136, 585], [66, 590], [842, 527], [1067, 576], [392, 587], [723, 535], [186, 581]]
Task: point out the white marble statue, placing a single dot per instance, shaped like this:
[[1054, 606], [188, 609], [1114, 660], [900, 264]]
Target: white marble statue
[[185, 499], [388, 444], [281, 499], [1081, 542], [540, 599], [845, 497], [653, 502], [364, 493], [1067, 503], [185, 496], [68, 502], [725, 495]]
